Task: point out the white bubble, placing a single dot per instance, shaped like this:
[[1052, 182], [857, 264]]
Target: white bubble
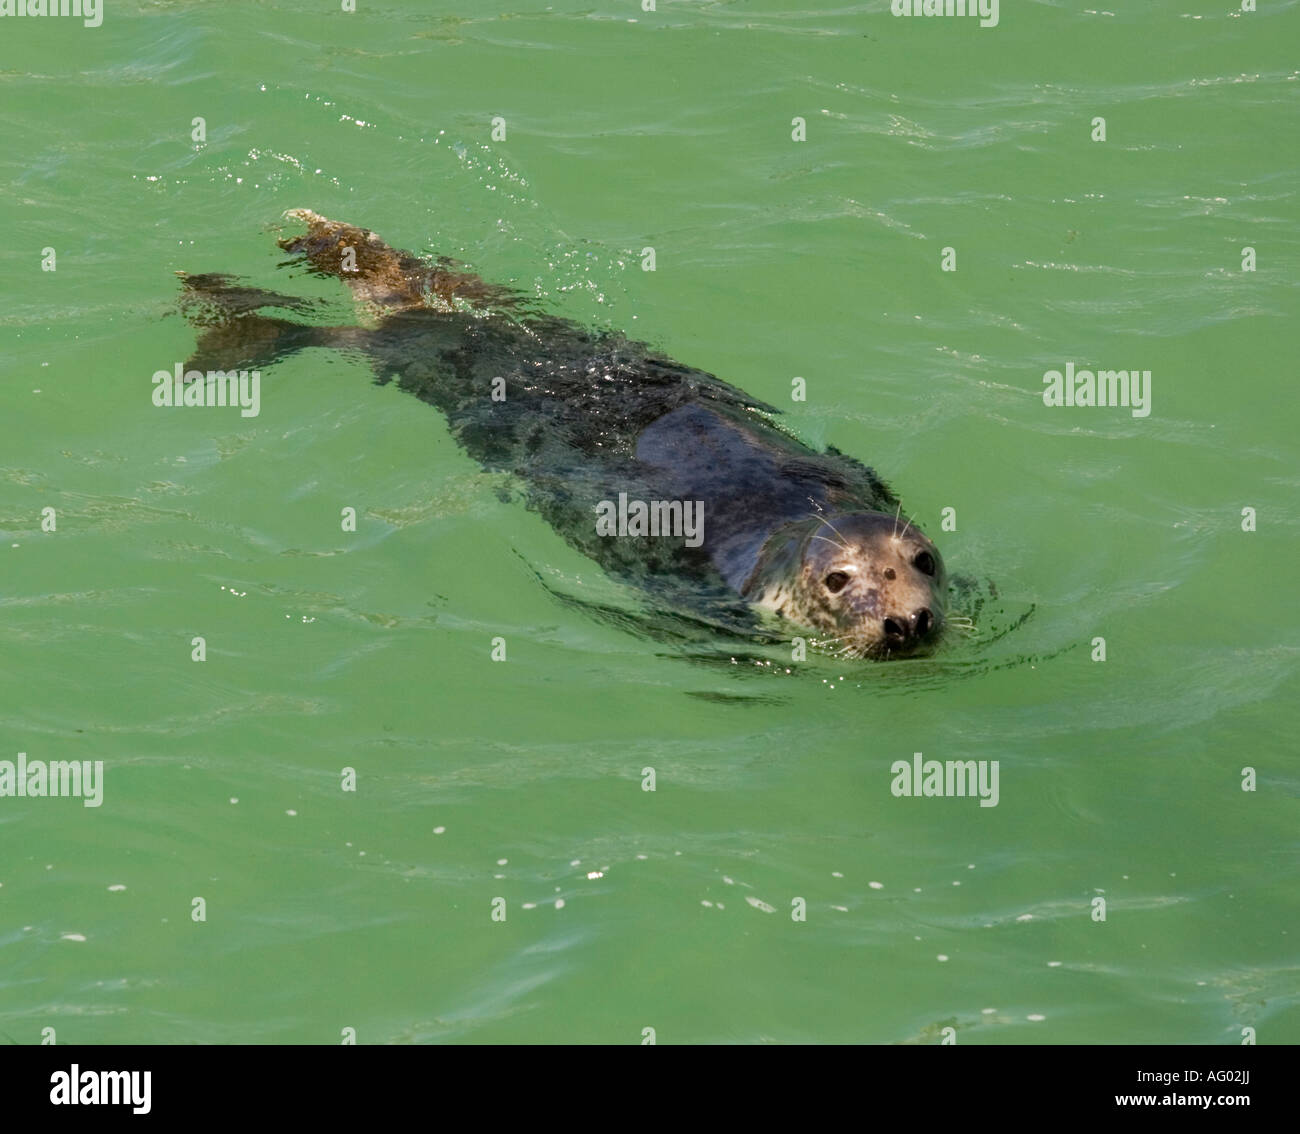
[[942, 957], [559, 903], [436, 831], [1036, 1018], [876, 885], [72, 937], [117, 887]]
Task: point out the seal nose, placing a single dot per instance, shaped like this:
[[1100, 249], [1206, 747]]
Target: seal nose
[[905, 631], [924, 621], [897, 631]]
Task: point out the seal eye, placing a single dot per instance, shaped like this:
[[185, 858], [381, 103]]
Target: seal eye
[[924, 563], [836, 581]]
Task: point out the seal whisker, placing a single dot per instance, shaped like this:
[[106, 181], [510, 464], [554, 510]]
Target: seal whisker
[[822, 517], [834, 543]]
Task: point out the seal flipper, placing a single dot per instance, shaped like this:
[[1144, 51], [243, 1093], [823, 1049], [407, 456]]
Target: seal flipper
[[387, 277], [211, 297], [235, 337], [253, 341]]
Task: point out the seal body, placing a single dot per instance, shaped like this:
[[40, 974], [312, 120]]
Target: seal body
[[729, 512]]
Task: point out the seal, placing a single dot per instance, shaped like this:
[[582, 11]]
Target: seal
[[721, 512]]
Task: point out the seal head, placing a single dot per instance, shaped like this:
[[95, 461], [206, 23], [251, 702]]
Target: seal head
[[871, 582]]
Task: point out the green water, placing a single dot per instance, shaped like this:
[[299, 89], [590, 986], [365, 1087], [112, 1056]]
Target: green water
[[522, 779]]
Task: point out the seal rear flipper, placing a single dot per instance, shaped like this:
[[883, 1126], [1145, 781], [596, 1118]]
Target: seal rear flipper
[[253, 341], [212, 297], [234, 337], [383, 276]]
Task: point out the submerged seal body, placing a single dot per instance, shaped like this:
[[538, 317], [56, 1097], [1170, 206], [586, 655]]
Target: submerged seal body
[[663, 474]]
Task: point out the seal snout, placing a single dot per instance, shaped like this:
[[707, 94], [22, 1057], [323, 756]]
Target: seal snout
[[903, 633]]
